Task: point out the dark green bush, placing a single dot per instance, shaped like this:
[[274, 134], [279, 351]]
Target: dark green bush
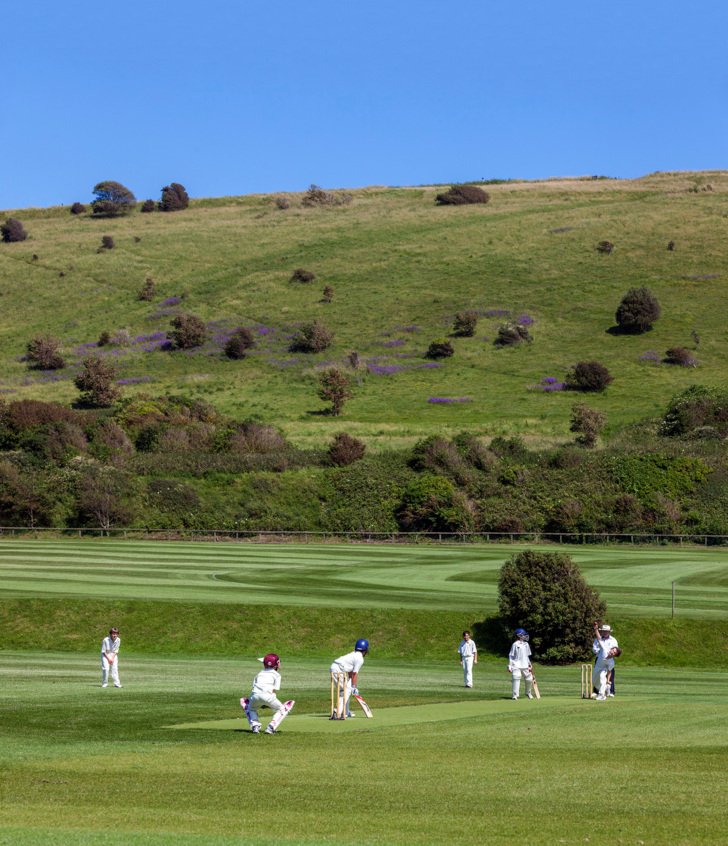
[[433, 504], [466, 322], [188, 331], [589, 377], [238, 344], [174, 198], [13, 230], [462, 195], [43, 353], [78, 208], [637, 312], [545, 593], [510, 334], [440, 348], [97, 383], [112, 199], [312, 338]]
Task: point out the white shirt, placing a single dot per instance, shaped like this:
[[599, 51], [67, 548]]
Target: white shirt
[[519, 656], [467, 648], [603, 662], [267, 681], [351, 662], [612, 641], [110, 644]]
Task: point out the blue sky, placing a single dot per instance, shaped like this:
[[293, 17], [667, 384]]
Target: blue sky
[[245, 96]]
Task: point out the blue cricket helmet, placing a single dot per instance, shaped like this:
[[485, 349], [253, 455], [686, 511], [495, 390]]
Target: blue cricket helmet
[[522, 634], [362, 645]]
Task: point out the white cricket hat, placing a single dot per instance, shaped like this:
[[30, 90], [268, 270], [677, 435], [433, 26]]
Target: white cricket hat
[[605, 627]]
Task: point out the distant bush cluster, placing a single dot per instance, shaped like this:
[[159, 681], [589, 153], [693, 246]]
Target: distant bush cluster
[[316, 196], [462, 195], [12, 231]]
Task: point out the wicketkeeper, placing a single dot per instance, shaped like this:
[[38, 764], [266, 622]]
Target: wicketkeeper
[[110, 658], [265, 686]]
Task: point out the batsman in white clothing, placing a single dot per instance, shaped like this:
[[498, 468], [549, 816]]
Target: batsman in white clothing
[[604, 664], [110, 658], [468, 653], [519, 664], [345, 673]]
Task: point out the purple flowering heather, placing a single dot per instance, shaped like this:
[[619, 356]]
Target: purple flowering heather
[[497, 312], [397, 342], [525, 320], [549, 384], [384, 369], [171, 301], [650, 355], [134, 380], [447, 400]]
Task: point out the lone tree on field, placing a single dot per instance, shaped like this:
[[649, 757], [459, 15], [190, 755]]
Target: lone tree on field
[[312, 338], [545, 593], [13, 230], [97, 383], [112, 199], [238, 344], [334, 387], [637, 312], [174, 198]]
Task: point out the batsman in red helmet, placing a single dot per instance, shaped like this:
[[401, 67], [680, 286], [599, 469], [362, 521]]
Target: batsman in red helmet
[[263, 695]]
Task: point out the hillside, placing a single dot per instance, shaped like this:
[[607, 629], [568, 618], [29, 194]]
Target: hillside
[[400, 268]]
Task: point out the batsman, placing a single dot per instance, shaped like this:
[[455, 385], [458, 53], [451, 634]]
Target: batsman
[[110, 658], [345, 672]]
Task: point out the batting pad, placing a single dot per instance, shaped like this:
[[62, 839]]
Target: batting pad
[[383, 718]]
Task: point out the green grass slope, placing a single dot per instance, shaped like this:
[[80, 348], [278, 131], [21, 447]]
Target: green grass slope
[[401, 268]]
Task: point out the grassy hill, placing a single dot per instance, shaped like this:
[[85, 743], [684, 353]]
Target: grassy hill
[[401, 268]]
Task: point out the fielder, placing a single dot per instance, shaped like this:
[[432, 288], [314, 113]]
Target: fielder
[[519, 664], [347, 668], [110, 658], [263, 695], [468, 653]]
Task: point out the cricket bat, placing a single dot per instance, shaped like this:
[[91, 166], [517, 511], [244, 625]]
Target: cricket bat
[[535, 687], [365, 708]]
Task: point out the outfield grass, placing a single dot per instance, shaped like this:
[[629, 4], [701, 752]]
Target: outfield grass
[[168, 759]]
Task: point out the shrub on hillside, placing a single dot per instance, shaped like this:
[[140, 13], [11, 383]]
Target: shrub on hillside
[[439, 455], [433, 504], [107, 243], [545, 593], [301, 275], [474, 451], [587, 423], [345, 450], [104, 339], [512, 333], [174, 198], [43, 353], [112, 199], [148, 206], [238, 344], [694, 409], [188, 331], [589, 377], [334, 387], [251, 437], [146, 292], [605, 247], [316, 196], [97, 383], [105, 497], [282, 203], [328, 294], [440, 348], [78, 208], [637, 311], [312, 338], [466, 322], [13, 230], [680, 357], [462, 195]]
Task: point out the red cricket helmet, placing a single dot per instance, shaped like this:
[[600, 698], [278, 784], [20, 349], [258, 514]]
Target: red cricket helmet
[[271, 661]]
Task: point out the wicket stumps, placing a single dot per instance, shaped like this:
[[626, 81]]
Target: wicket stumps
[[586, 681], [338, 696]]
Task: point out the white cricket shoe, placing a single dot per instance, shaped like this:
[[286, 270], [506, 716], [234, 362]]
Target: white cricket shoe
[[256, 729], [514, 698], [530, 696], [601, 698], [270, 730]]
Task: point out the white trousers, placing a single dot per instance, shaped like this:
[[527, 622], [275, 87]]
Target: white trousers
[[467, 663], [516, 680], [262, 700], [599, 678], [113, 668]]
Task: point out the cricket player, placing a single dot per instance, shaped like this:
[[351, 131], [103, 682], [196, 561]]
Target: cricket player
[[605, 635], [349, 665], [519, 664], [110, 658], [265, 686], [604, 664], [468, 653]]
